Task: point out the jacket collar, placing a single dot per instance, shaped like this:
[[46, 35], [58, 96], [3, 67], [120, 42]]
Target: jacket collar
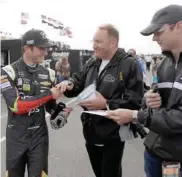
[[170, 55], [119, 54]]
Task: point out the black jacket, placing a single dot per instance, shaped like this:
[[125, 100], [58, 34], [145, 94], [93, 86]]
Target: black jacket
[[165, 123], [121, 83]]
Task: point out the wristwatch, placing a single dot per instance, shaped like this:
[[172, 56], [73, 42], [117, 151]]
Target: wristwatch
[[135, 116]]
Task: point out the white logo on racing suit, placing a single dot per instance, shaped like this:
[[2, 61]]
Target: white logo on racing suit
[[20, 81], [34, 110], [43, 76]]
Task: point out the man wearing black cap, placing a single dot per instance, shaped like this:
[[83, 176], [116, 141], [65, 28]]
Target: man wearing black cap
[[163, 115], [26, 87]]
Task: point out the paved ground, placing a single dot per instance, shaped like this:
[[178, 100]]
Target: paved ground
[[67, 154]]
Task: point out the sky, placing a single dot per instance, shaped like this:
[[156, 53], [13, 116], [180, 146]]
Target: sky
[[84, 16]]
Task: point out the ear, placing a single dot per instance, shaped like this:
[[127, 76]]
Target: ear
[[26, 48], [113, 41], [179, 26]]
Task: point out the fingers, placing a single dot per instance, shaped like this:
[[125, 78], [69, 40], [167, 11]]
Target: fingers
[[151, 95], [58, 86], [98, 94], [62, 88], [153, 100], [65, 85], [85, 103], [88, 106], [115, 118], [119, 122], [111, 113], [70, 86], [68, 109], [154, 104], [54, 126]]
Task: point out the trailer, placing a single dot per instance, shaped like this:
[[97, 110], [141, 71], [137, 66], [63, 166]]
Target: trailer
[[10, 51]]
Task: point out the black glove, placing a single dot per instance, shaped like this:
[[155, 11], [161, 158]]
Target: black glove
[[59, 117], [59, 121]]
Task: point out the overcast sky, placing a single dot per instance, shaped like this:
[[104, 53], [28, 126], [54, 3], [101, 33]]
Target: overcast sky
[[83, 16]]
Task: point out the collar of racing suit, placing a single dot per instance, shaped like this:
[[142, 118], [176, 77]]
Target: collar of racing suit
[[30, 69]]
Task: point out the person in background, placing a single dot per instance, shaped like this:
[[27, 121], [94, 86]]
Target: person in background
[[156, 63], [139, 60], [63, 70], [148, 59], [142, 66], [142, 58]]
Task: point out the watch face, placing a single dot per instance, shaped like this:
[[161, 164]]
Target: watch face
[[134, 120], [135, 116]]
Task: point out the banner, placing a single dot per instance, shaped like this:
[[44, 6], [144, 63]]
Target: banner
[[24, 18], [44, 19], [68, 32]]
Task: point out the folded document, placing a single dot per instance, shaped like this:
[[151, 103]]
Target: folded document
[[98, 112]]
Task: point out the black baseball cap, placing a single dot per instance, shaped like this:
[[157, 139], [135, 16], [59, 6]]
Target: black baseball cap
[[36, 38], [168, 15]]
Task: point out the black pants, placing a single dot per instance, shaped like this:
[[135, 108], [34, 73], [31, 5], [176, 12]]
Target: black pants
[[148, 65], [106, 160], [34, 155]]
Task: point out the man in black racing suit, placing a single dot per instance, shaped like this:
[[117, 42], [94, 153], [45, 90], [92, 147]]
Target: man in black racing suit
[[27, 88]]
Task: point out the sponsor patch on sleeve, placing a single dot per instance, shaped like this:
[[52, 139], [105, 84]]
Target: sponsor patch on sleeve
[[5, 85]]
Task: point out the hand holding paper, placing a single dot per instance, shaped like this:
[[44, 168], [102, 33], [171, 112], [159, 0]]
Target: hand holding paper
[[121, 116]]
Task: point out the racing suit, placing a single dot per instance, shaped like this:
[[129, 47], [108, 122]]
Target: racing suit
[[26, 90]]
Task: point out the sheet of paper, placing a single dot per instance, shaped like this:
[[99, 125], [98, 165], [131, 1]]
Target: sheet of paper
[[73, 102], [88, 93], [98, 112]]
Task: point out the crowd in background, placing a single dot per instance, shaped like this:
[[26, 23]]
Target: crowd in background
[[148, 63]]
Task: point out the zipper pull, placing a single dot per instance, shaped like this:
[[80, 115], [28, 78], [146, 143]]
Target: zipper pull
[[176, 65]]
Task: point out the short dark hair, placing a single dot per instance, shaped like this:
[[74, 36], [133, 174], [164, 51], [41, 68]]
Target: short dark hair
[[112, 31]]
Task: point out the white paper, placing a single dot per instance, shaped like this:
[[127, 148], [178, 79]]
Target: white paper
[[98, 112], [73, 102], [88, 93]]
